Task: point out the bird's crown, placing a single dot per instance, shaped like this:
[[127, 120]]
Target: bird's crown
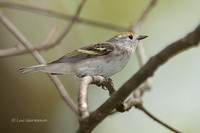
[[126, 33]]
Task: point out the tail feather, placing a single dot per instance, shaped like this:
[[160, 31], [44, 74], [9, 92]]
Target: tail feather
[[57, 68], [31, 69]]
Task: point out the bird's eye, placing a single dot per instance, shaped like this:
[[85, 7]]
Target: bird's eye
[[130, 37]]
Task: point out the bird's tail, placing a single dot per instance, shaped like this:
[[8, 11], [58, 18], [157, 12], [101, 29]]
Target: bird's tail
[[31, 69], [57, 68]]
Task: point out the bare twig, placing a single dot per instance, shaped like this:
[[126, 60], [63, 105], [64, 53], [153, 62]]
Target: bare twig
[[21, 49], [69, 26], [143, 16], [37, 55], [15, 51], [52, 35], [62, 15], [157, 120], [142, 58], [140, 50], [189, 41], [62, 91], [83, 92], [83, 97]]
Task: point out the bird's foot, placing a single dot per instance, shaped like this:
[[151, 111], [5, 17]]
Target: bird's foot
[[108, 80]]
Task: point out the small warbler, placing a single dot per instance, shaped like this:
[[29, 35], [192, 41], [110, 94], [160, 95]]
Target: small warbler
[[104, 59]]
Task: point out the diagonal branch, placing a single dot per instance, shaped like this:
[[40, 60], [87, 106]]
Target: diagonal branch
[[21, 49], [40, 59], [15, 51], [189, 41]]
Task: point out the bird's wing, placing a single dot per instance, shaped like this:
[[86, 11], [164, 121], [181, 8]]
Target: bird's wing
[[90, 51]]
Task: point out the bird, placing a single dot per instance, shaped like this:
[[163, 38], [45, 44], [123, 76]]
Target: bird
[[99, 59]]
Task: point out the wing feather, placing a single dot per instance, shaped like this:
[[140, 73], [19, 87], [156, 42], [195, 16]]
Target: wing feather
[[90, 51]]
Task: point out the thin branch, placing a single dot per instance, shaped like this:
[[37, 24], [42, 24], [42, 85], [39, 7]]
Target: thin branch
[[13, 51], [157, 120], [140, 49], [136, 100], [144, 15], [83, 97], [51, 37], [69, 26], [135, 28], [62, 91], [37, 55], [61, 15], [189, 41], [21, 49], [83, 92]]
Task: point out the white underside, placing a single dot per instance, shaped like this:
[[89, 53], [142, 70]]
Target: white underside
[[105, 67]]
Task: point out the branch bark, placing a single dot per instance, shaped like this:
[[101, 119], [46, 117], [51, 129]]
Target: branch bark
[[189, 41]]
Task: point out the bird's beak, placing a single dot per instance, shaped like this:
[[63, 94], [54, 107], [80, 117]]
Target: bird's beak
[[142, 37]]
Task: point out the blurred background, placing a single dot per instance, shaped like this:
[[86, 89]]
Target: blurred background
[[175, 97]]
